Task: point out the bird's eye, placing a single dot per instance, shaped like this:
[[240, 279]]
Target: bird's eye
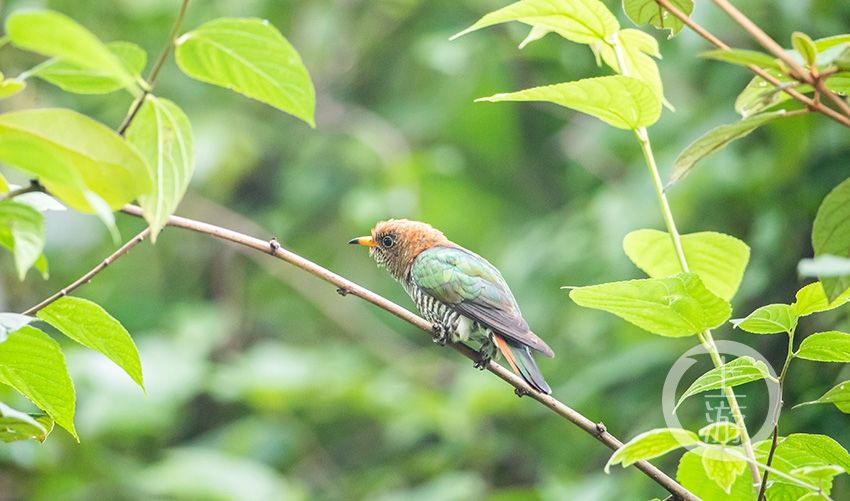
[[387, 241]]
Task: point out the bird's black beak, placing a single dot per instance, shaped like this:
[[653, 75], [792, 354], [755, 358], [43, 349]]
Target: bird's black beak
[[367, 241]]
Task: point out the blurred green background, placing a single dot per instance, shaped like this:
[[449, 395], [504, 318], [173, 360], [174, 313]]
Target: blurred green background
[[263, 383]]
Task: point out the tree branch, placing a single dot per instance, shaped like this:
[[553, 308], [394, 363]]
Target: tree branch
[[34, 186], [347, 287]]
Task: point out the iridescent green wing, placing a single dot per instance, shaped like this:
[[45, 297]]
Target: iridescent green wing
[[474, 288]]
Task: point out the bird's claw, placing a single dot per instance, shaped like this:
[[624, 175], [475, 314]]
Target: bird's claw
[[440, 334], [483, 361]]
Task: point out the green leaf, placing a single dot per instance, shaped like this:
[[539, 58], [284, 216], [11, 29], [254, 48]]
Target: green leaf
[[805, 46], [4, 185], [812, 299], [801, 450], [692, 475], [72, 77], [675, 306], [716, 139], [651, 444], [637, 47], [760, 95], [90, 325], [163, 134], [23, 228], [624, 102], [10, 86], [770, 319], [721, 432], [32, 363], [723, 465], [743, 57], [718, 259], [839, 395], [55, 35], [251, 57], [740, 371], [80, 161], [16, 425], [830, 346], [580, 21], [649, 12], [831, 234]]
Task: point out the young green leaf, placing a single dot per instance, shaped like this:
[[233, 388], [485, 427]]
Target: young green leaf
[[737, 372], [637, 47], [830, 346], [53, 34], [32, 363], [675, 306], [770, 319], [716, 139], [72, 77], [74, 157], [23, 227], [743, 57], [251, 57], [580, 21], [624, 102], [804, 450], [651, 444], [760, 95], [839, 395], [805, 46], [831, 234], [723, 465], [16, 425], [163, 135], [11, 86], [721, 432], [4, 185], [90, 325], [812, 299], [536, 33], [650, 12], [693, 476], [718, 259]]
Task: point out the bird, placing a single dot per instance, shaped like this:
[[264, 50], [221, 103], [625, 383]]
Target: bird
[[463, 296]]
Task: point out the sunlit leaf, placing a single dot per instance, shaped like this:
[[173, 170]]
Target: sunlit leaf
[[11, 86], [804, 46], [721, 432], [72, 77], [716, 139], [769, 319], [740, 371], [23, 228], [650, 12], [839, 395], [638, 50], [743, 57], [652, 444], [718, 259], [32, 363], [251, 57], [723, 465], [830, 346], [624, 102], [692, 475], [760, 95], [16, 425], [163, 135], [674, 306], [802, 450], [90, 325], [831, 234], [812, 299]]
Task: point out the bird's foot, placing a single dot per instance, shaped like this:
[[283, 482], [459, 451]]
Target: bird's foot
[[482, 362], [440, 333], [485, 355]]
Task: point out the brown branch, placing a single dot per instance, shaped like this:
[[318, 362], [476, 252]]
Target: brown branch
[[806, 100], [33, 187], [91, 273]]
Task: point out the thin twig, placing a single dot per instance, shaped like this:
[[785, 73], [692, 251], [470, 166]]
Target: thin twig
[[354, 289], [91, 273], [33, 187], [809, 102]]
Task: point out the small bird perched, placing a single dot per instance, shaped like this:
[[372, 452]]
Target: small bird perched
[[459, 292]]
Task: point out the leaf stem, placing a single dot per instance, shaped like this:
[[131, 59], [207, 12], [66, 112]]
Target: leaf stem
[[34, 186]]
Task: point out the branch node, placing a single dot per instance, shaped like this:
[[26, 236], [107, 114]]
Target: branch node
[[520, 392], [274, 245], [601, 429]]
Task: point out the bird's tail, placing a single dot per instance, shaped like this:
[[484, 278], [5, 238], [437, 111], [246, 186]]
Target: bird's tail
[[520, 359]]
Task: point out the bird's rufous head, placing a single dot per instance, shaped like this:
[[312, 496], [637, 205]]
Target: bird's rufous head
[[395, 243]]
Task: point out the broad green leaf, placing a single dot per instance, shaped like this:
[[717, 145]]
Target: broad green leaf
[[55, 35], [718, 259], [824, 266], [32, 363], [692, 475], [716, 139], [830, 346], [812, 299], [740, 371], [10, 322], [831, 234], [11, 86], [721, 432], [804, 46], [675, 306], [8, 243], [163, 135], [16, 425], [22, 227], [839, 395], [79, 160], [649, 12], [802, 450], [90, 325], [760, 95], [770, 319], [251, 57], [743, 57], [580, 21], [723, 465], [651, 444], [637, 47], [822, 44], [624, 102], [72, 77]]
